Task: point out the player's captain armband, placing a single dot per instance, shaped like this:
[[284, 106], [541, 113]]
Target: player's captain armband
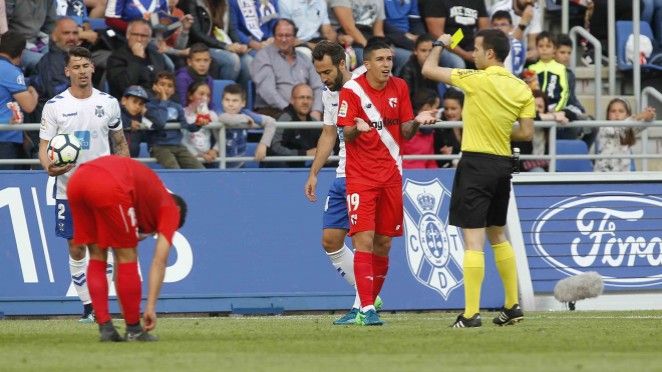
[[342, 111]]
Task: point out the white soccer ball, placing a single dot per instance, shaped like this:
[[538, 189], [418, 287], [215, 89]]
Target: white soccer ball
[[63, 149]]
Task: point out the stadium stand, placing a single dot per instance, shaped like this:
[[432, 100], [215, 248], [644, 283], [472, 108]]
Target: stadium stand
[[568, 147]]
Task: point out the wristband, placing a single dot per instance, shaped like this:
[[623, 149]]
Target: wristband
[[522, 27], [438, 43]]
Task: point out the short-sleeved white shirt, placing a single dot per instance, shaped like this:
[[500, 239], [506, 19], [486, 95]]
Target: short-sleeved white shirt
[[330, 102], [90, 120]]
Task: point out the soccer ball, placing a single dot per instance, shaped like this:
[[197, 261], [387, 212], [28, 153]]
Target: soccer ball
[[63, 149]]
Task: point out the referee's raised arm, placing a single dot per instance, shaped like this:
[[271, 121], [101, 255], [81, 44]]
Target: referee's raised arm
[[431, 68]]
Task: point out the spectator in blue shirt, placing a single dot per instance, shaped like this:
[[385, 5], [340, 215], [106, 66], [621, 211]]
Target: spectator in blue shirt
[[253, 22], [12, 89], [121, 12], [166, 144], [403, 22]]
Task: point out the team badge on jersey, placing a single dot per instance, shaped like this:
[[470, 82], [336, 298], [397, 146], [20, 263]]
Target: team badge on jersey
[[435, 250], [342, 111], [393, 101], [98, 111]]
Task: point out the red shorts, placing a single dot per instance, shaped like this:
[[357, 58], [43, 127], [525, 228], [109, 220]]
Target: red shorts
[[377, 209], [103, 213]]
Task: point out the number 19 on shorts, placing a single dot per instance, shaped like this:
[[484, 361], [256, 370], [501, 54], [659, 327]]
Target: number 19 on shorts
[[352, 207]]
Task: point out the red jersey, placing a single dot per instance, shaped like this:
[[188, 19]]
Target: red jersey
[[155, 209], [373, 158]]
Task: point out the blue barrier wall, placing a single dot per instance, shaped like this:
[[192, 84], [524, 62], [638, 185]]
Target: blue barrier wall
[[251, 240], [613, 228]]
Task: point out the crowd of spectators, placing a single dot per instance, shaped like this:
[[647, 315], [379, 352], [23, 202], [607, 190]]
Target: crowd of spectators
[[161, 59]]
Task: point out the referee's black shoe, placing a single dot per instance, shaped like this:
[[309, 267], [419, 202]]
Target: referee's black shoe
[[463, 322], [509, 316]]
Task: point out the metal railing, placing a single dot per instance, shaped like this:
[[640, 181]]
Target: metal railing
[[223, 160], [597, 55]]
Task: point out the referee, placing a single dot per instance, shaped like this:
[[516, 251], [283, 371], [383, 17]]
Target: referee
[[494, 100]]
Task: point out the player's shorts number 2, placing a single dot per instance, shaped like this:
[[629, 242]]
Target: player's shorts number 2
[[352, 206]]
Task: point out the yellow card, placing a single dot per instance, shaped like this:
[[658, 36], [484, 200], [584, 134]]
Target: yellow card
[[456, 38]]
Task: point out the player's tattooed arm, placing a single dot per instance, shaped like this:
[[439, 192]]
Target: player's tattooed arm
[[408, 129], [120, 144]]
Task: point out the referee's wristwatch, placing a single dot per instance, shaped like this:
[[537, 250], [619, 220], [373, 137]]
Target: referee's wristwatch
[[438, 43]]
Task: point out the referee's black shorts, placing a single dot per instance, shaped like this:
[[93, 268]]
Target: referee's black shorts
[[481, 190]]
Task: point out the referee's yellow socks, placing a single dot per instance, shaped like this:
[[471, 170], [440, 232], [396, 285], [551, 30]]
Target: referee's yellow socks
[[504, 256], [474, 271]]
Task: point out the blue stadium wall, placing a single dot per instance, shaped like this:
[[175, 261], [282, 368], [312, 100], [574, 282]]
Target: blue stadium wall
[[251, 242]]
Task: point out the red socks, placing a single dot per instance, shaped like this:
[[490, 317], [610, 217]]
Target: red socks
[[129, 289], [97, 284], [379, 270], [370, 273]]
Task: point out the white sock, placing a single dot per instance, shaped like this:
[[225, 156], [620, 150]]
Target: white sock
[[357, 301], [343, 261], [110, 268], [79, 278], [367, 308]]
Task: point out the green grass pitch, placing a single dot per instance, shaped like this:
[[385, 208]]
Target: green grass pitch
[[545, 341]]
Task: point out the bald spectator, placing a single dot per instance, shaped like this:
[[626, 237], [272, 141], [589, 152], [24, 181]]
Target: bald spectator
[[49, 79], [278, 68], [34, 20], [526, 16], [136, 62], [295, 141], [76, 10]]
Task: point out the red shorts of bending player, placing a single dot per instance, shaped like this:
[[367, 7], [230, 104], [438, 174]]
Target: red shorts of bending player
[[375, 208], [103, 213]]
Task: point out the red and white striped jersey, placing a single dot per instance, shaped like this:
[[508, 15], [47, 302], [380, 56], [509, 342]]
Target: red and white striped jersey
[[373, 158]]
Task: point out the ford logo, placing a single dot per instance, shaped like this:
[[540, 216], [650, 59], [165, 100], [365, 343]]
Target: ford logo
[[616, 234]]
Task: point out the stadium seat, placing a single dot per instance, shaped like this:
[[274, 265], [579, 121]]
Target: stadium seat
[[217, 92], [623, 31], [571, 147], [250, 151], [97, 24]]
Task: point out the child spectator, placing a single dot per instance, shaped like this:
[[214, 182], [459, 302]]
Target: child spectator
[[422, 143], [562, 56], [448, 141], [166, 144], [577, 110], [619, 140], [197, 70], [411, 71], [197, 112], [235, 114], [552, 76], [134, 114], [502, 20], [538, 145]]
